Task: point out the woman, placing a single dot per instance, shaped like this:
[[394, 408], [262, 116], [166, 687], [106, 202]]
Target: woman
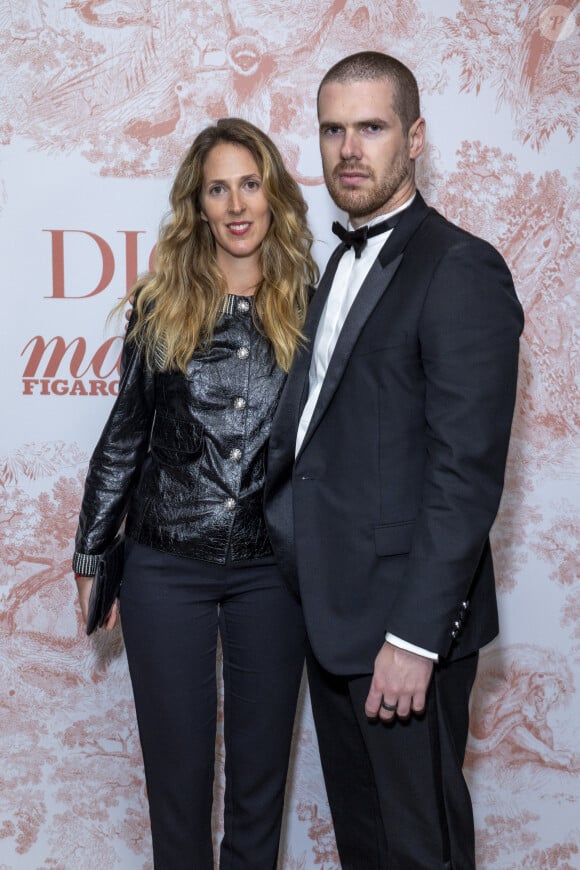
[[181, 458]]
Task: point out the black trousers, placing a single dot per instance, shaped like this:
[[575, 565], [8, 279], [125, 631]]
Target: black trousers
[[397, 794], [171, 611]]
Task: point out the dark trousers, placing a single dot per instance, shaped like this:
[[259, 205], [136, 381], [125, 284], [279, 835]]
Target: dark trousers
[[397, 794], [171, 610]]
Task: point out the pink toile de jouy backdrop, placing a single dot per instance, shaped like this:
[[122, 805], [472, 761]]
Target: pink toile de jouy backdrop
[[99, 100]]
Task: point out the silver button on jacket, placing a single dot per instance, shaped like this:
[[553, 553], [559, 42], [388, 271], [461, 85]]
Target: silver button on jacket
[[183, 456]]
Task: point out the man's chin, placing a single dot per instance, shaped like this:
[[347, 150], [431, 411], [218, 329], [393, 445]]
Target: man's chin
[[353, 202]]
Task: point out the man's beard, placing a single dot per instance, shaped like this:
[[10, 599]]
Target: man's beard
[[372, 200]]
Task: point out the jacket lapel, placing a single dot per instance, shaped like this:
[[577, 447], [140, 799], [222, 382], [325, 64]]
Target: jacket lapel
[[374, 286], [295, 391]]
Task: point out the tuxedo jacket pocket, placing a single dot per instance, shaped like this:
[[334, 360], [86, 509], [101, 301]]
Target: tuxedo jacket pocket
[[394, 539]]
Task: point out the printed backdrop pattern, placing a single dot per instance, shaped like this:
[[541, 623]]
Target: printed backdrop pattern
[[100, 98]]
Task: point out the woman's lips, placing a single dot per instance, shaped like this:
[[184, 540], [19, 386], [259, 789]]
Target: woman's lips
[[239, 229]]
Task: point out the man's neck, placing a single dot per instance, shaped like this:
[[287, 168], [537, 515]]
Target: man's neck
[[383, 215]]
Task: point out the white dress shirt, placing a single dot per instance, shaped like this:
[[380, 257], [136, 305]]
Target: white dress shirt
[[348, 280]]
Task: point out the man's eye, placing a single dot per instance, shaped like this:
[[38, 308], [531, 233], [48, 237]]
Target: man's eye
[[331, 131]]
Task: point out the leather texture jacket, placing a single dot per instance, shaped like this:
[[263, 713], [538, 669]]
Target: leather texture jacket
[[182, 457]]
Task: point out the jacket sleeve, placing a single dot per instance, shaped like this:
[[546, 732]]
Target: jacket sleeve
[[116, 461], [469, 333]]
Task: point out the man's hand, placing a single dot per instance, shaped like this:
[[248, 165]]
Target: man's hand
[[399, 684], [84, 586]]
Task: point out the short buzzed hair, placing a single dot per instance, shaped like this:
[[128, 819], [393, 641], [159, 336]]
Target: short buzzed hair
[[374, 65]]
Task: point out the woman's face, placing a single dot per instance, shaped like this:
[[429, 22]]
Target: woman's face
[[233, 203]]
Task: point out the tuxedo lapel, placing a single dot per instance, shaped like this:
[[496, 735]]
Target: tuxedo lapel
[[321, 293], [374, 286], [410, 221], [295, 391]]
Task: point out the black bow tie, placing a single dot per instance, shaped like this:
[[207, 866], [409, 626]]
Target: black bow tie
[[357, 239]]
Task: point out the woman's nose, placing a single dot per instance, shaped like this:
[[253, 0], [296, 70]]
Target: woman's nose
[[236, 203]]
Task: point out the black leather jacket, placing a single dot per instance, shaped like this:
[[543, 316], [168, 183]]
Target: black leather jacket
[[182, 457]]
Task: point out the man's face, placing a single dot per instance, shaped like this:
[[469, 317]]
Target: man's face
[[366, 157]]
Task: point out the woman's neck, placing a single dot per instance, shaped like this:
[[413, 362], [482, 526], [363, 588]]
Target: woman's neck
[[242, 279], [244, 291]]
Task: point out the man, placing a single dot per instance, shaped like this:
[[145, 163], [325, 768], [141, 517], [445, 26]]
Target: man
[[385, 472]]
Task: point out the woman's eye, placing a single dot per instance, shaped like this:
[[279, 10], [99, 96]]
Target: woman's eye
[[252, 184], [215, 190]]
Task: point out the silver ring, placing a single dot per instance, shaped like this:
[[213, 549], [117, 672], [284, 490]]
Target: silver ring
[[388, 707]]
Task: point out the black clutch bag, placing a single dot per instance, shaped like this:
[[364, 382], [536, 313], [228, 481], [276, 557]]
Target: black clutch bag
[[106, 584]]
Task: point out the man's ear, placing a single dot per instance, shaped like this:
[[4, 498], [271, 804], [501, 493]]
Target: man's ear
[[417, 138]]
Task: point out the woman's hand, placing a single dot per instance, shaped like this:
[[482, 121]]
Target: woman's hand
[[84, 586]]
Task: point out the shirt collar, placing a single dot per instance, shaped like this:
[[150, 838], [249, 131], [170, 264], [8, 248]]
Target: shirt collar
[[384, 217]]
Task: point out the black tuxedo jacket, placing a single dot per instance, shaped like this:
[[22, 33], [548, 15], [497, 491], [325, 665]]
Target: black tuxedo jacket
[[381, 522]]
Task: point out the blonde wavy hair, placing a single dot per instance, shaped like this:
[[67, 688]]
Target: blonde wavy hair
[[179, 303]]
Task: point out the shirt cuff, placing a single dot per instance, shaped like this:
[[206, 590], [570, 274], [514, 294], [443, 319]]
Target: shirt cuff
[[410, 647]]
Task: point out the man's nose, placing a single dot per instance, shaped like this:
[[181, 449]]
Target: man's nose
[[350, 147]]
